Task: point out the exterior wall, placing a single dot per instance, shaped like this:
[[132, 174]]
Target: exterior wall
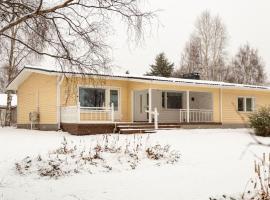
[[230, 113], [37, 93]]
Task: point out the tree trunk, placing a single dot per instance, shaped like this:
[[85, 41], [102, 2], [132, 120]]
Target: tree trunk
[[8, 109]]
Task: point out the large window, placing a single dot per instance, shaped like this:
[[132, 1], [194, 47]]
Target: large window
[[99, 97], [172, 100], [246, 104], [114, 99], [92, 97]]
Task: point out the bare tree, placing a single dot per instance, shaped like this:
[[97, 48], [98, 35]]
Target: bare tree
[[14, 54], [191, 60], [73, 32], [247, 67], [205, 50], [75, 29]]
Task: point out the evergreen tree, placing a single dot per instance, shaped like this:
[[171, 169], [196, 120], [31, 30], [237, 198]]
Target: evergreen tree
[[162, 67]]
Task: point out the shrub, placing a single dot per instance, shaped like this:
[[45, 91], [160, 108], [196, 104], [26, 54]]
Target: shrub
[[100, 156], [260, 121]]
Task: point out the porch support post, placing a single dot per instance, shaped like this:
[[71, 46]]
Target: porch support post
[[188, 106], [150, 105]]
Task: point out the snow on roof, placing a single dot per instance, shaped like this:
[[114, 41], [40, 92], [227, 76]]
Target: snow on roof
[[147, 78], [3, 100]]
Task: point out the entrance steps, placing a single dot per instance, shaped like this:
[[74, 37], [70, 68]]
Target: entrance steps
[[144, 127]]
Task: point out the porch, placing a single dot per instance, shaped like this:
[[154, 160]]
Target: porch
[[173, 106], [170, 106]]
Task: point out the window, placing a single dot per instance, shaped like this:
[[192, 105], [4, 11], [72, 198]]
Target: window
[[249, 105], [92, 97], [114, 99], [171, 100], [241, 104], [246, 104]]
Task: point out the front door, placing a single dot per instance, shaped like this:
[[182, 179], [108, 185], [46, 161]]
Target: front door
[[140, 105]]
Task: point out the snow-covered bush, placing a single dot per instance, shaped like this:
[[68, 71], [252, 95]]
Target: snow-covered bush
[[260, 121], [159, 152], [100, 156]]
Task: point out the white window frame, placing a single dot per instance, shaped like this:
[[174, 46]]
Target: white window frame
[[245, 104], [107, 95], [166, 106]]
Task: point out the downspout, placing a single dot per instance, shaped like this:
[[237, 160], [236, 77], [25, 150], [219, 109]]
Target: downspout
[[221, 104], [58, 100]]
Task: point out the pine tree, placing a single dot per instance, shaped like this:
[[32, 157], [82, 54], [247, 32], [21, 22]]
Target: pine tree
[[162, 67]]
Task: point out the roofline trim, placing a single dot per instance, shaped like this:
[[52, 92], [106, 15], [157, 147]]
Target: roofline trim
[[144, 79]]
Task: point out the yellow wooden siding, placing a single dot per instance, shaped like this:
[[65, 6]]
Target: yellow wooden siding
[[230, 113], [37, 93]]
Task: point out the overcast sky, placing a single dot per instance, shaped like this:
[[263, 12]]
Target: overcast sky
[[246, 21]]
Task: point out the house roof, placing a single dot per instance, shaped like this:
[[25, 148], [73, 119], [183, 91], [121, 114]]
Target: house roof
[[27, 70], [3, 100]]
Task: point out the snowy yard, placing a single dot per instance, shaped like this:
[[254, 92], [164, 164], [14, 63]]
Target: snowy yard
[[212, 163]]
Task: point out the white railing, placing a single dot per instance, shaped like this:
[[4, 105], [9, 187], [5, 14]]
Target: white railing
[[196, 115], [79, 114], [155, 114]]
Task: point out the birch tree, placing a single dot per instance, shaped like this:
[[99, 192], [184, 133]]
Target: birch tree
[[247, 67], [72, 32], [206, 49]]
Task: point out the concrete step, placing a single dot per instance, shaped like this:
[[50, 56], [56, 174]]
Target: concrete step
[[147, 126], [134, 131]]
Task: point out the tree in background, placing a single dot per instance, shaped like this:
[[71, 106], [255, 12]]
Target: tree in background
[[162, 67], [72, 32], [191, 60], [205, 50], [247, 67], [15, 54]]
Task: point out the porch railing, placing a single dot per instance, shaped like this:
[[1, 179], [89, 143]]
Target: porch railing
[[196, 115], [79, 114]]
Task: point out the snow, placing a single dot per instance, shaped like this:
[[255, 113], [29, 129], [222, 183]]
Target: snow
[[3, 100], [213, 162]]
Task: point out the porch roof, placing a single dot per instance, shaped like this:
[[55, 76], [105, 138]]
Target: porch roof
[[28, 69]]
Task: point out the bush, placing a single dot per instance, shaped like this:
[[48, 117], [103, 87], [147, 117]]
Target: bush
[[99, 156], [260, 121]]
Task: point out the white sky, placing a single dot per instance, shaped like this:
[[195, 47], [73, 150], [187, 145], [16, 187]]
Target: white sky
[[246, 20]]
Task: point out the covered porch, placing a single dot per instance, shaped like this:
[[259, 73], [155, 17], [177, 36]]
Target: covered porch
[[108, 105], [172, 106]]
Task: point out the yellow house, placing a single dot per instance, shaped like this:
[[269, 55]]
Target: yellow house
[[87, 103]]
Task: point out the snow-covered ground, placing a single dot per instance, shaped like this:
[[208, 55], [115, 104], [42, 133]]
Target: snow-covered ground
[[213, 162]]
